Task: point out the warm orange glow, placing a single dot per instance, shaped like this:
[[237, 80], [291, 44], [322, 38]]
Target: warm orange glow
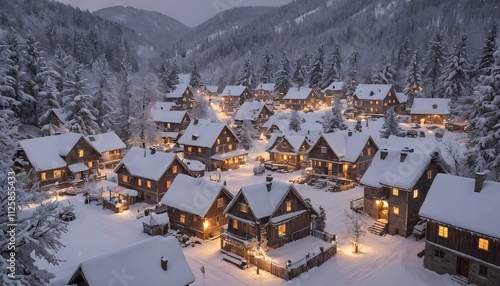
[[205, 224]]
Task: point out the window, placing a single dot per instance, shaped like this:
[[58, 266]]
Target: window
[[169, 183], [319, 163], [43, 176], [220, 202], [395, 191], [282, 230], [218, 141], [235, 224], [190, 149], [289, 206], [90, 164], [483, 244], [438, 253], [81, 153], [174, 169], [443, 231], [369, 151], [429, 174], [217, 220], [57, 174], [362, 154], [323, 150], [243, 207], [199, 149], [148, 184], [395, 210], [228, 139], [125, 178], [483, 270], [195, 219], [230, 147], [376, 102], [183, 218], [415, 193], [139, 182]]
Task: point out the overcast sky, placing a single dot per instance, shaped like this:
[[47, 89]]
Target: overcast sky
[[189, 12]]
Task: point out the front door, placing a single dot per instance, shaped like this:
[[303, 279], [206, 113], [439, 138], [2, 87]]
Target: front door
[[463, 267]]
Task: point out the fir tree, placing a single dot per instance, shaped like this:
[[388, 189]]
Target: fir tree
[[486, 59], [201, 107], [413, 83], [455, 74], [358, 127], [11, 88], [104, 96], [316, 69], [295, 121], [321, 219], [337, 58], [174, 75], [305, 62], [50, 100], [195, 79], [385, 73], [334, 120], [391, 124], [298, 75], [404, 54], [246, 134], [63, 65], [266, 68], [125, 99], [163, 73], [331, 72], [283, 80], [247, 76], [435, 59]]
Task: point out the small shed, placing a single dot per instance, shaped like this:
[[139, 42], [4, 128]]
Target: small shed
[[155, 224], [196, 167], [118, 198]]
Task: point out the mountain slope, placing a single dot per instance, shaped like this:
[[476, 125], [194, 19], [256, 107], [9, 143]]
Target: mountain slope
[[157, 29]]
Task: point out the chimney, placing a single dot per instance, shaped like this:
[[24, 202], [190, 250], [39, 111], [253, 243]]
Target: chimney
[[195, 136], [478, 185], [196, 121], [383, 153], [269, 182], [153, 150], [164, 263], [349, 133]]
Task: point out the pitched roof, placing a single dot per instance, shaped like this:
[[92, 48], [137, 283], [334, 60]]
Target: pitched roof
[[346, 148], [402, 98], [452, 200], [106, 142], [233, 90], [202, 134], [336, 85], [141, 262], [45, 153], [212, 88], [168, 116], [298, 93], [61, 115], [162, 105], [193, 195], [295, 141], [141, 163], [430, 106], [250, 110], [179, 91], [372, 91], [266, 86]]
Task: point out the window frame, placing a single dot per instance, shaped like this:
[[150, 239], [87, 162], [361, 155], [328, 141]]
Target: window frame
[[395, 192], [415, 193], [182, 218], [242, 207], [443, 231], [282, 230], [220, 202], [483, 244], [395, 210], [288, 205]]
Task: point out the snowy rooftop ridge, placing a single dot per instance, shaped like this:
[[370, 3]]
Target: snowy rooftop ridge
[[179, 91], [141, 163], [298, 93], [431, 106], [202, 133], [452, 200], [346, 147], [233, 90], [141, 262], [266, 86], [168, 116], [295, 141], [105, 142], [194, 195], [61, 115], [372, 91], [335, 86], [250, 110]]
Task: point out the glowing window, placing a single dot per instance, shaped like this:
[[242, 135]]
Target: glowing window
[[415, 193], [90, 164], [395, 210], [429, 174], [288, 206], [395, 191], [139, 182], [228, 139], [235, 224], [483, 244], [282, 230], [174, 169], [220, 202], [443, 231], [199, 149], [148, 184], [190, 149], [57, 174], [183, 218], [43, 176], [125, 178], [169, 183], [81, 153], [243, 207]]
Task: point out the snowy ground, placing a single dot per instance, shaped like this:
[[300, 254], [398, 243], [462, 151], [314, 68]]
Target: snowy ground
[[388, 260]]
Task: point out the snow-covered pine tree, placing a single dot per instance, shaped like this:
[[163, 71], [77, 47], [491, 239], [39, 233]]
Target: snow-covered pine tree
[[201, 107], [195, 78], [404, 53], [298, 76], [334, 120], [434, 61], [391, 124], [414, 83], [321, 219], [266, 68], [330, 72], [49, 100], [358, 127], [337, 57], [295, 121], [486, 59], [10, 72], [305, 62], [125, 98], [174, 74], [246, 134], [455, 75], [247, 75], [105, 96], [283, 80], [483, 154], [163, 73], [316, 69], [62, 66], [385, 73]]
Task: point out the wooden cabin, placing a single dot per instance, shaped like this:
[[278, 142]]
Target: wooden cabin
[[213, 144], [335, 89], [430, 110], [343, 154], [154, 261], [274, 126], [110, 146], [150, 172], [264, 92], [182, 96], [155, 224], [284, 217], [254, 111], [392, 195], [376, 99], [462, 234], [170, 123], [289, 150], [203, 217], [59, 159], [302, 98], [233, 96]]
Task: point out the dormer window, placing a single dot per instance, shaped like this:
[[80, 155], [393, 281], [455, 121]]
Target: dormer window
[[243, 207]]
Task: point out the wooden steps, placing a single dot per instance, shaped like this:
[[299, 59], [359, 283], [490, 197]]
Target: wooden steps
[[459, 280], [378, 227]]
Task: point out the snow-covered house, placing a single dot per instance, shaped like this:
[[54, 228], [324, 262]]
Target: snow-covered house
[[336, 88], [289, 150], [344, 154], [213, 144], [272, 212], [463, 233], [150, 172], [301, 98], [430, 110], [171, 123], [57, 119], [254, 111], [274, 126], [182, 96], [397, 182], [212, 90], [155, 224], [233, 96], [264, 91], [110, 146], [153, 262], [196, 206], [377, 99], [59, 158]]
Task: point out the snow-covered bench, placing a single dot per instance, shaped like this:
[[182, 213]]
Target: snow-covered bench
[[234, 259]]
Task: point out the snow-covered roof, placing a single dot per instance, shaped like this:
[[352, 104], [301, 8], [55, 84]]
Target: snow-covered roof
[[106, 142], [168, 116], [212, 88], [425, 145], [114, 187], [298, 93], [287, 216], [77, 167], [346, 148], [233, 90], [141, 163], [295, 141], [142, 264], [193, 195], [59, 112], [266, 86], [282, 124], [402, 98], [45, 153], [452, 200], [229, 155], [156, 219], [250, 110], [372, 91], [194, 165], [430, 106], [336, 86], [202, 134], [179, 91], [162, 105]]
